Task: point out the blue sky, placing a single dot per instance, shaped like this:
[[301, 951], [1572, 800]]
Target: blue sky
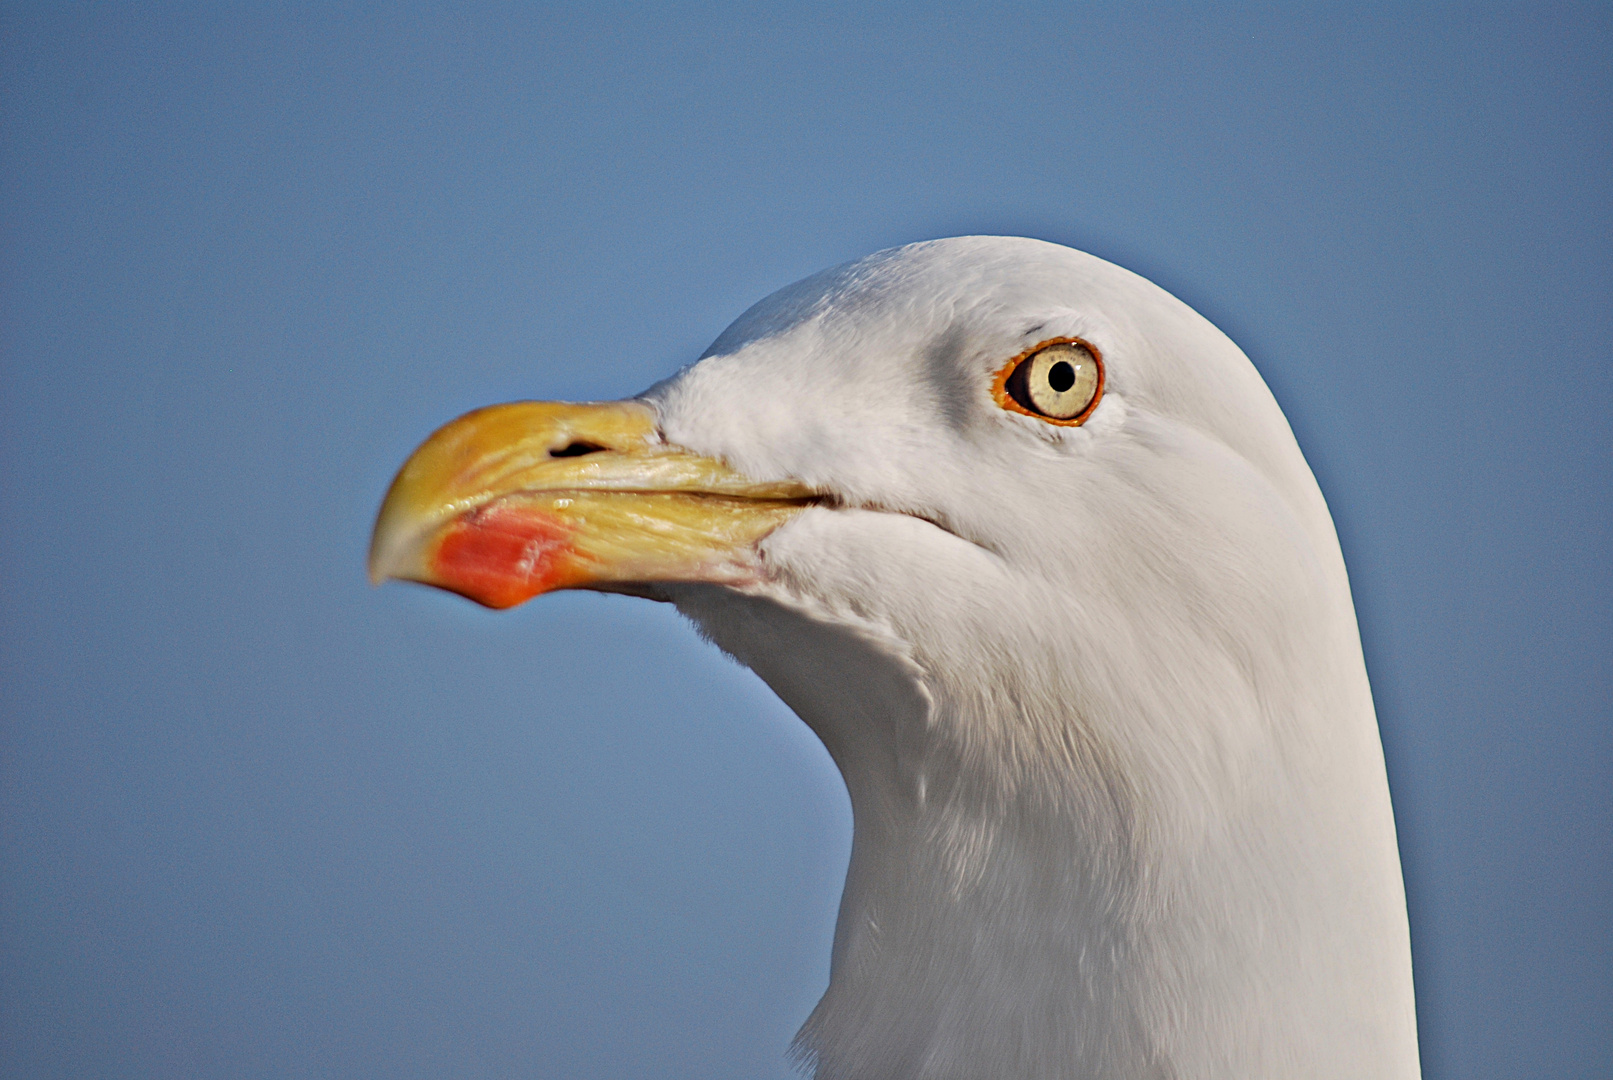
[[257, 818]]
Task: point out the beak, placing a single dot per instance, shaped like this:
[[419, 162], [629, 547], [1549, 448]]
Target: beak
[[515, 500]]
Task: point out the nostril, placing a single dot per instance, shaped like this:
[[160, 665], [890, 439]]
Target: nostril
[[577, 449]]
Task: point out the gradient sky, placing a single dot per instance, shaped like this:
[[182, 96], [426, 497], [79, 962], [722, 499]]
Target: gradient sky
[[259, 819]]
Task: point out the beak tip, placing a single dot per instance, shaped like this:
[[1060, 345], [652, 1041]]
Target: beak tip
[[389, 552]]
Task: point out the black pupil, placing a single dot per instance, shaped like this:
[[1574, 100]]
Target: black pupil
[[1061, 376]]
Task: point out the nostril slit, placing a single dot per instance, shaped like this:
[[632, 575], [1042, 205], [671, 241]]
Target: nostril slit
[[577, 449]]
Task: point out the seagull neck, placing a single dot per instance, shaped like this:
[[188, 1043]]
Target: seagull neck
[[1027, 900]]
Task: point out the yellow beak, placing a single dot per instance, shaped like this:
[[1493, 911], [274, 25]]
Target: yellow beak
[[515, 500]]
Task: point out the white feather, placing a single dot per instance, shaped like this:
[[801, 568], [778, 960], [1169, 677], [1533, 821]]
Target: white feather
[[1097, 693]]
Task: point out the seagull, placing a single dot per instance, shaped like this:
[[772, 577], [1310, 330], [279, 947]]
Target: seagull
[[1030, 546]]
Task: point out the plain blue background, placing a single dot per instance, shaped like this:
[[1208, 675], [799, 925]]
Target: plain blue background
[[260, 820]]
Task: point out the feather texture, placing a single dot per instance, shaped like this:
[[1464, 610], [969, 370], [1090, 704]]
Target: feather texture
[[1097, 692]]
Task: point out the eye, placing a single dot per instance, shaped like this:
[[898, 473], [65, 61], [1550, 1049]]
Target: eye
[[1059, 380]]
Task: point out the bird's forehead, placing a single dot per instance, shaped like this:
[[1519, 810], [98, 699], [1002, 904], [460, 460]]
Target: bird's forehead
[[991, 286], [880, 358], [896, 326]]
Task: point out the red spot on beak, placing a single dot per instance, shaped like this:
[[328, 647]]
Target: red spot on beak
[[505, 553]]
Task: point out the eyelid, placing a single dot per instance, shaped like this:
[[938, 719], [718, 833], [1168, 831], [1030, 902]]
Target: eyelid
[[999, 382]]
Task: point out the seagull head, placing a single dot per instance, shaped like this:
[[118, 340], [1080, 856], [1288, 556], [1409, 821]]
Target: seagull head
[[1031, 547]]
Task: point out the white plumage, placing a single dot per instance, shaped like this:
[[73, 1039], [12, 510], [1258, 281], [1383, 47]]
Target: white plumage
[[1097, 692]]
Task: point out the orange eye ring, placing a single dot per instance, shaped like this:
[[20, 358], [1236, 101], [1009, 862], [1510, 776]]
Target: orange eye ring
[[1005, 399]]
